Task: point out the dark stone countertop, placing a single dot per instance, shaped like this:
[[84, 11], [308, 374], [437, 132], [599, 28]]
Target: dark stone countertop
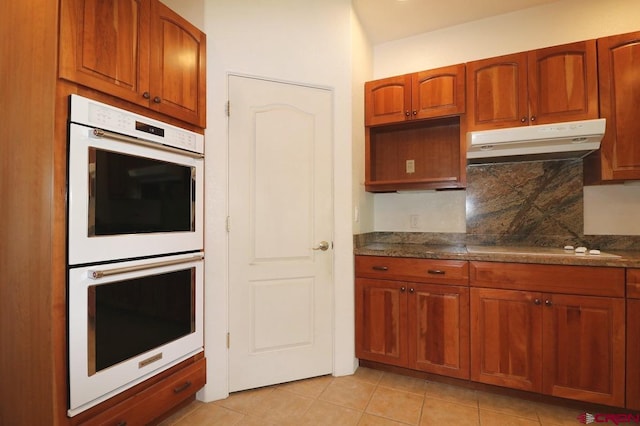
[[513, 254]]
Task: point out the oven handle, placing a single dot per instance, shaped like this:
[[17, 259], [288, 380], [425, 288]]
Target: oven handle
[[97, 274], [100, 133]]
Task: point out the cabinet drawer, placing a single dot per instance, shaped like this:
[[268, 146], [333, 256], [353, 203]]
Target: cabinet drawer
[[633, 283], [583, 280], [410, 269], [155, 400]]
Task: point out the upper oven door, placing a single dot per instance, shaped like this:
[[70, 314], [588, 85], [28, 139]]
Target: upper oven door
[[128, 200]]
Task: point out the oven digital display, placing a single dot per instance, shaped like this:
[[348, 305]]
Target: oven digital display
[[148, 128]]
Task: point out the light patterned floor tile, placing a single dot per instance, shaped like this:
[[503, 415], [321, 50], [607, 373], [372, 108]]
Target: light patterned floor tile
[[282, 407], [348, 392], [311, 388], [325, 413], [494, 418], [370, 398], [396, 405], [371, 420], [246, 401], [404, 383], [456, 394], [368, 375], [436, 412], [552, 415], [211, 414], [507, 405]]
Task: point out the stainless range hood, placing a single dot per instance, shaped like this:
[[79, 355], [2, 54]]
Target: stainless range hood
[[573, 139]]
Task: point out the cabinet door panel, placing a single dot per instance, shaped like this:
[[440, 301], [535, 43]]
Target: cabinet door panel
[[633, 354], [619, 68], [387, 100], [497, 92], [506, 338], [381, 321], [563, 83], [584, 348], [439, 329], [438, 92], [179, 58], [103, 46]]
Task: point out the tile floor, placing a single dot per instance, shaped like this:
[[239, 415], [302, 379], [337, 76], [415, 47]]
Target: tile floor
[[370, 397]]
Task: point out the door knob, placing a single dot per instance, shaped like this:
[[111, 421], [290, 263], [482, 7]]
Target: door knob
[[324, 246]]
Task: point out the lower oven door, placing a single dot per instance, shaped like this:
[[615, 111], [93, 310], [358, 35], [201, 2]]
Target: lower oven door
[[129, 321]]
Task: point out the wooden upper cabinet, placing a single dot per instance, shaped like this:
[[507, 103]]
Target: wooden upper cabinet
[[387, 100], [497, 92], [103, 45], [177, 87], [136, 50], [438, 92], [619, 85], [426, 94], [542, 86], [563, 83]]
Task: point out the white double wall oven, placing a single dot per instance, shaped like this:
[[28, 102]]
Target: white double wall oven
[[135, 249]]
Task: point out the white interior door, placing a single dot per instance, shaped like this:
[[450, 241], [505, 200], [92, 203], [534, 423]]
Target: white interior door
[[280, 212]]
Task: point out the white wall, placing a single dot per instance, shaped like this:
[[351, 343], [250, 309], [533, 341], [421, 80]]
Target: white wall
[[305, 41], [551, 24], [191, 10], [362, 71]]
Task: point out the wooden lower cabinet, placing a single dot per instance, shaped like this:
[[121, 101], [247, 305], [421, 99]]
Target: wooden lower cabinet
[[506, 338], [416, 325], [381, 321], [564, 345], [146, 405], [583, 348], [439, 329], [633, 339], [550, 329]]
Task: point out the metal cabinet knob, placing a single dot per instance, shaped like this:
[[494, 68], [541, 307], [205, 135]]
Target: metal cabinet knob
[[157, 99], [537, 301], [523, 120], [146, 95], [548, 302]]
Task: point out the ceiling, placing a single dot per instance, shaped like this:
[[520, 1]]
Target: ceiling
[[386, 20]]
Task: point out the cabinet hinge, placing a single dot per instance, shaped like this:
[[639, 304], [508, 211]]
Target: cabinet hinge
[[228, 340], [228, 224], [227, 109]]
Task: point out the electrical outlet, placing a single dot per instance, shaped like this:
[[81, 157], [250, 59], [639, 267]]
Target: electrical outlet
[[410, 166]]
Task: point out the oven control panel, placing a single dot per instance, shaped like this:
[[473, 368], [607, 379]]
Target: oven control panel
[[97, 114]]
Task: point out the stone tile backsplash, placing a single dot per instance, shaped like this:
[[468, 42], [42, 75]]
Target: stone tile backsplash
[[534, 203], [527, 204]]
